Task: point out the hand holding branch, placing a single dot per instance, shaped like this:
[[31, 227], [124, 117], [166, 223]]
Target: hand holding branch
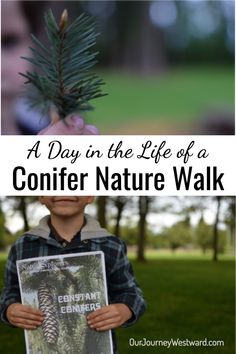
[[72, 125]]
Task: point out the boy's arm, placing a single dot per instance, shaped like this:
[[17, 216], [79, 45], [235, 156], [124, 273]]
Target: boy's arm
[[123, 287], [11, 292], [127, 302], [12, 312]]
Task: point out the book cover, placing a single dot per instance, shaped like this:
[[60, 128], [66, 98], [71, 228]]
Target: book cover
[[66, 288]]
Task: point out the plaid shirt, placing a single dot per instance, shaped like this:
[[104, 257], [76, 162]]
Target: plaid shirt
[[122, 287]]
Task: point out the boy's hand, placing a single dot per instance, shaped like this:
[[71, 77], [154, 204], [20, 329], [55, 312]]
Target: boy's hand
[[24, 316], [109, 317], [73, 125]]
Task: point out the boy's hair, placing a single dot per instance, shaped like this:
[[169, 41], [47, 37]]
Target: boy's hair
[[33, 13]]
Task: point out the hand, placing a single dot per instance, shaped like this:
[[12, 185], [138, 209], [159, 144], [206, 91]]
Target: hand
[[109, 317], [71, 125], [24, 316]]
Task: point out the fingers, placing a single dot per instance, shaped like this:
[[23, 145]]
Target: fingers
[[24, 316], [77, 126], [71, 125], [30, 310], [100, 312], [106, 318], [106, 325], [102, 316], [91, 130], [26, 324]]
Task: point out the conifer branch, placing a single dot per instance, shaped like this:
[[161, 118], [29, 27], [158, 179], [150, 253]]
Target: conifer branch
[[63, 78]]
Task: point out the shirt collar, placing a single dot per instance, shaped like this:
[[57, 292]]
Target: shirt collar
[[59, 238]]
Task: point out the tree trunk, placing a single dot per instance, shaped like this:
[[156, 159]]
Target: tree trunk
[[215, 230], [23, 212], [2, 229], [120, 204], [143, 211], [232, 222], [140, 45], [101, 210]]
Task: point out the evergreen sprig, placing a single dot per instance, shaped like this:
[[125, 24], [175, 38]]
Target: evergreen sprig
[[63, 79]]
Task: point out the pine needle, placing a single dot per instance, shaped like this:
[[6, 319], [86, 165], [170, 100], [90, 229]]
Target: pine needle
[[63, 79]]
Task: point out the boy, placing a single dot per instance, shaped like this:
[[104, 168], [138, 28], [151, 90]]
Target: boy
[[69, 230]]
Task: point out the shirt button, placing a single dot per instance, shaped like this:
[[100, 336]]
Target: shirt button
[[63, 244]]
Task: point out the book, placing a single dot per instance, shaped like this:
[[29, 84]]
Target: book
[[66, 288]]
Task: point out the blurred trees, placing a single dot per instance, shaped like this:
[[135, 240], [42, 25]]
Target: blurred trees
[[148, 36], [180, 234], [141, 45], [101, 210], [203, 233], [19, 205], [2, 229], [119, 203], [216, 229], [144, 208], [138, 220], [229, 219]]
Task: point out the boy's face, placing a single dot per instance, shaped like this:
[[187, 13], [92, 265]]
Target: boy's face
[[15, 36], [64, 206]]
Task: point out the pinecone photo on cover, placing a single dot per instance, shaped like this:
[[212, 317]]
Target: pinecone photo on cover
[[63, 83], [66, 289]]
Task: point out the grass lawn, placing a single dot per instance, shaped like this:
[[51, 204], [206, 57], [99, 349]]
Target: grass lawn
[[187, 298], [179, 96], [179, 254], [191, 299]]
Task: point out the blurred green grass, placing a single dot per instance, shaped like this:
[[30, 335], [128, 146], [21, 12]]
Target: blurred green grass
[[179, 254], [179, 95], [191, 299], [186, 297]]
